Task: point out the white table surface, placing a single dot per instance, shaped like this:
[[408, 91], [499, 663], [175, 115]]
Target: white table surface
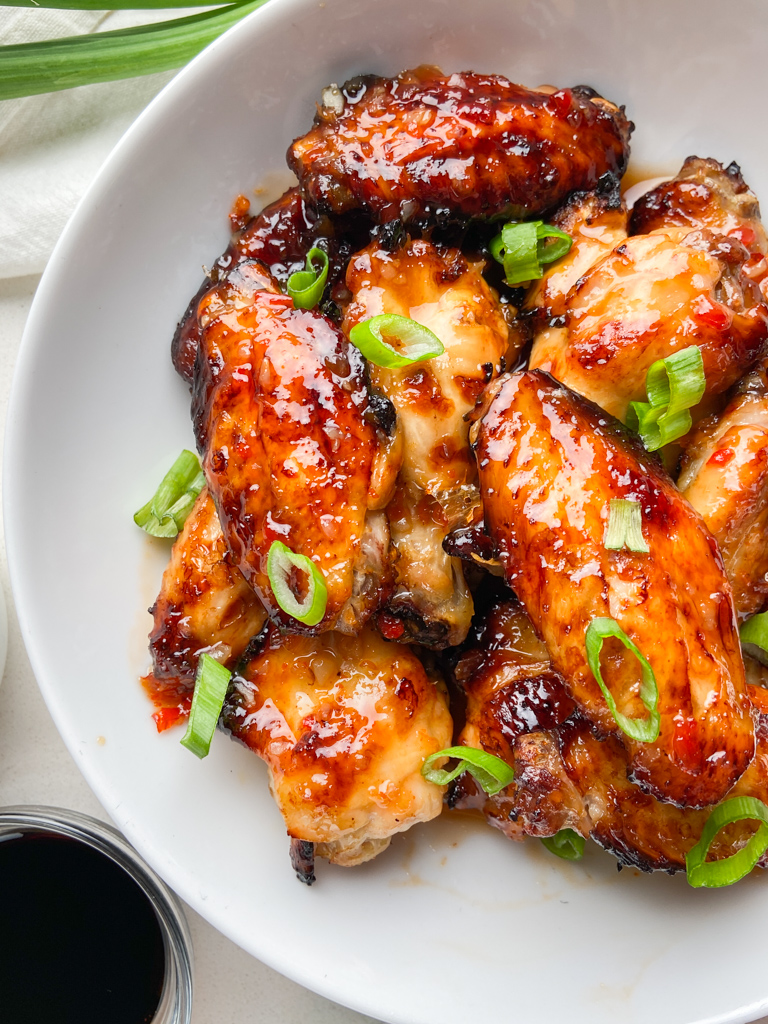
[[231, 987]]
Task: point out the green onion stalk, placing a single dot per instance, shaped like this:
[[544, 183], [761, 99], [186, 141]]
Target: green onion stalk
[[27, 69]]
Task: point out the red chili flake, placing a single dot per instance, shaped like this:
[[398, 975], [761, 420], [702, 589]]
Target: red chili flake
[[167, 717], [745, 234], [721, 457], [390, 627], [562, 101], [684, 741], [714, 314]]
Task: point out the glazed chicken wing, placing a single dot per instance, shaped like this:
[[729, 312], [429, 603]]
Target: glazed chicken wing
[[514, 701], [649, 297], [204, 604], [428, 145], [704, 194], [725, 478], [280, 237], [549, 464], [344, 724], [431, 458], [282, 421], [566, 776]]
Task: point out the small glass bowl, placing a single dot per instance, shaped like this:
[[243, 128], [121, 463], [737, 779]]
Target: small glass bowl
[[175, 1006]]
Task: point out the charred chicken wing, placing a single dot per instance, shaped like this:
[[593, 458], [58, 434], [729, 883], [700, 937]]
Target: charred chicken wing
[[281, 418], [549, 464], [426, 145], [204, 604]]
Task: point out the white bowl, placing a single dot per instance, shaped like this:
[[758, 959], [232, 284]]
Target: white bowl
[[453, 924]]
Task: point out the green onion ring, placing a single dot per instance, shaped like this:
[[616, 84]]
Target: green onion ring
[[489, 771], [416, 341], [566, 844], [211, 683], [643, 730], [523, 246], [625, 526], [754, 637], [673, 386], [280, 561], [166, 511], [306, 286], [717, 873]]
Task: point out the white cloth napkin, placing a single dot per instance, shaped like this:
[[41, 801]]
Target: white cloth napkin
[[51, 146]]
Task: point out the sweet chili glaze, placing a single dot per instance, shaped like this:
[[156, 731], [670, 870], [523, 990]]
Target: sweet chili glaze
[[204, 604], [428, 145], [280, 236], [431, 466], [566, 774], [651, 296], [280, 409], [549, 463], [344, 725], [724, 475]]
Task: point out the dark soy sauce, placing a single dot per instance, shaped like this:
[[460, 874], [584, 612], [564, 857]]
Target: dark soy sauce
[[79, 939]]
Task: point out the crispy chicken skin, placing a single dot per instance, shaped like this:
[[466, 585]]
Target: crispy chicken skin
[[549, 463], [428, 145], [436, 471], [344, 724], [204, 604], [725, 477], [280, 411], [704, 194]]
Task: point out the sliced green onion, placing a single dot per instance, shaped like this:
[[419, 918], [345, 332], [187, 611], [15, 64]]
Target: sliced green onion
[[30, 68], [280, 563], [754, 637], [211, 682], [415, 342], [166, 511], [306, 286], [523, 246], [717, 873], [644, 730], [489, 771], [673, 386], [566, 844], [625, 526]]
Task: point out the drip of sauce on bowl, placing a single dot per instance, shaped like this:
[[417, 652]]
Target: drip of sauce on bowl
[[80, 940]]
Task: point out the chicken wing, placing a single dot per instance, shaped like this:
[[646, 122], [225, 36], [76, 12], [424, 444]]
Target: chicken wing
[[566, 776], [282, 420], [428, 145], [549, 463], [649, 297], [280, 237], [437, 477], [344, 724], [704, 194], [725, 477], [204, 604], [514, 701]]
